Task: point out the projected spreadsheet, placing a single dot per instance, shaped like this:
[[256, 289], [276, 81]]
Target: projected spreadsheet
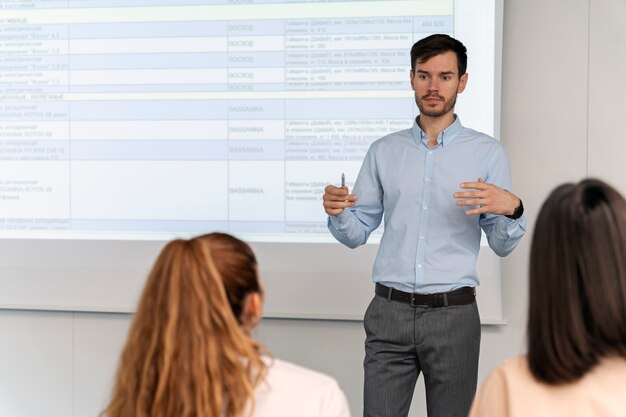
[[173, 117]]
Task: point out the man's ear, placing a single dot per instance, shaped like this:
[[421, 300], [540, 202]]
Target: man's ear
[[462, 83]]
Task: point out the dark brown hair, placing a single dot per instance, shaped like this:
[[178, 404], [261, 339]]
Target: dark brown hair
[[186, 353], [577, 311], [437, 44]]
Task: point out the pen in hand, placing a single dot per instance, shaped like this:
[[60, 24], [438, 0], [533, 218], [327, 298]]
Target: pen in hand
[[337, 197], [343, 183]]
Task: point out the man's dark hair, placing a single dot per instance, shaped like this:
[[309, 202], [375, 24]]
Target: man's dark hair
[[577, 308], [437, 44]]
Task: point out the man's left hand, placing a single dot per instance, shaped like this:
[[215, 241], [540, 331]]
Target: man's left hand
[[488, 197]]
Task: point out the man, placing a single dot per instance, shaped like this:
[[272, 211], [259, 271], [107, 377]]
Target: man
[[424, 316]]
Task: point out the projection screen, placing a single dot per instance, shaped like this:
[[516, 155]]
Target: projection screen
[[140, 121]]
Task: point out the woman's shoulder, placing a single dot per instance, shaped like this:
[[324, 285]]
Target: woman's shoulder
[[511, 390], [289, 389], [505, 392], [516, 364], [511, 372], [280, 370], [517, 368]]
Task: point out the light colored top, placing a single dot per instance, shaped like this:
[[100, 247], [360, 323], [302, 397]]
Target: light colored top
[[512, 391], [293, 391], [429, 244]]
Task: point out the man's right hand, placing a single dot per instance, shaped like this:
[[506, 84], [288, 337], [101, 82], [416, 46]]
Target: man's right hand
[[336, 199]]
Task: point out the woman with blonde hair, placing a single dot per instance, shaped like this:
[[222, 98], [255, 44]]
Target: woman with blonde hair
[[190, 352], [576, 361]]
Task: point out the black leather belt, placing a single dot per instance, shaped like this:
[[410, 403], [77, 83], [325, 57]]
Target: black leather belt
[[461, 296]]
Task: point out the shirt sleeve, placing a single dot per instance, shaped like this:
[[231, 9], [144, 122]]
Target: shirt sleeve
[[353, 226], [503, 234]]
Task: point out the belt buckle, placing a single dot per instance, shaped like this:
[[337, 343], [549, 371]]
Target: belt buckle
[[440, 300], [413, 304]]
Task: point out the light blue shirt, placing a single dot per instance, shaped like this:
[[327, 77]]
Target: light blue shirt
[[429, 244]]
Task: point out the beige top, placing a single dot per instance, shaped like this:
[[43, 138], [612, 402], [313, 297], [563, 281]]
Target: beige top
[[511, 391]]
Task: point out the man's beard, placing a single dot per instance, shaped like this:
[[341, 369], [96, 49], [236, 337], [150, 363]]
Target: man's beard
[[447, 106]]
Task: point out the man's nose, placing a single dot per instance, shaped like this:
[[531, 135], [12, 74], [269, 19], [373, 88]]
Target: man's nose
[[433, 84]]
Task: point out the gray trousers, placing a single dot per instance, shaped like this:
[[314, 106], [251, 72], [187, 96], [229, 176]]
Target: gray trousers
[[401, 341]]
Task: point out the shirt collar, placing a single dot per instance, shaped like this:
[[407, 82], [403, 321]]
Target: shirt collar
[[444, 138]]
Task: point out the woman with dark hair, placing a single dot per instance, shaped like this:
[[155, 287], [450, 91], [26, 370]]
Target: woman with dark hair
[[576, 362], [190, 352]]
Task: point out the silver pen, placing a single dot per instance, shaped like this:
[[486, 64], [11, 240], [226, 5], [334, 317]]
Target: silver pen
[[343, 180]]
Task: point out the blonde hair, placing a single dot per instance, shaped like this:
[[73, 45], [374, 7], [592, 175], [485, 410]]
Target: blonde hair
[[186, 353]]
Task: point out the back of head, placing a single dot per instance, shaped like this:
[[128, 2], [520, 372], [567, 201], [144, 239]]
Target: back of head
[[186, 353], [437, 44], [577, 312]]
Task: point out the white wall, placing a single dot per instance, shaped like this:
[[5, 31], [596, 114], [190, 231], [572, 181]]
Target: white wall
[[564, 95]]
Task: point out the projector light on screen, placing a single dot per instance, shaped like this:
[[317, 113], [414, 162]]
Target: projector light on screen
[[152, 119]]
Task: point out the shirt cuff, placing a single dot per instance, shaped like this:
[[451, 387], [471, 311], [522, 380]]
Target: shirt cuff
[[340, 221], [514, 227], [507, 228]]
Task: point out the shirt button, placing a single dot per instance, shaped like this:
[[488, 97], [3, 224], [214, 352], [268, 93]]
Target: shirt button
[[427, 179], [422, 237], [425, 207], [419, 265]]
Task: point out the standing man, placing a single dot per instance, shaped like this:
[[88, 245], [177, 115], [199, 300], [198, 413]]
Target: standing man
[[424, 316]]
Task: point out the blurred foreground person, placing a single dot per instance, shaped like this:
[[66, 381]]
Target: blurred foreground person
[[576, 361], [190, 352]]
